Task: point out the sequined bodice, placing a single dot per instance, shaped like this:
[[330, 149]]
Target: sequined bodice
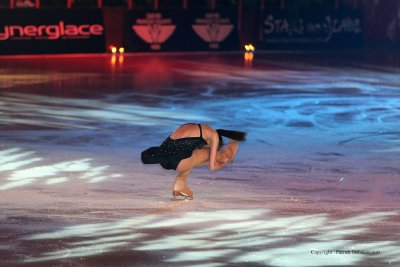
[[182, 145], [172, 151]]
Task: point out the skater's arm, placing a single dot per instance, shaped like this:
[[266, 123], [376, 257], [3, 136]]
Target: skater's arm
[[214, 164]]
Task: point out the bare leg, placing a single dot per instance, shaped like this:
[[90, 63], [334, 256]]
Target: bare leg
[[198, 158], [180, 184]]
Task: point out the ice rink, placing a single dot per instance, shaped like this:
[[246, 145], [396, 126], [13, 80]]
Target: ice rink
[[317, 183]]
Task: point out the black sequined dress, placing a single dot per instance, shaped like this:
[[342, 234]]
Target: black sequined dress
[[172, 151]]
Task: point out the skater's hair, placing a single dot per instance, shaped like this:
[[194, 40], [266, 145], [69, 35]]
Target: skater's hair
[[235, 135]]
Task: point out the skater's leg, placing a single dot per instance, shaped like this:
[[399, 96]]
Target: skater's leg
[[198, 158], [180, 185]]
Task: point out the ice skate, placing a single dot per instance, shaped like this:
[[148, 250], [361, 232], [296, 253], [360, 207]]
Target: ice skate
[[180, 195]]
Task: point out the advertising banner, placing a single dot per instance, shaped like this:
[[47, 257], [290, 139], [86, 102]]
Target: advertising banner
[[181, 30], [312, 29], [28, 31], [382, 19]]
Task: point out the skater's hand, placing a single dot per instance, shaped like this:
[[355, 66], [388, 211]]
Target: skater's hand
[[224, 160]]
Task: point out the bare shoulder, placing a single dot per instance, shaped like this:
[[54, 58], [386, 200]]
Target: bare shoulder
[[208, 131], [207, 128]]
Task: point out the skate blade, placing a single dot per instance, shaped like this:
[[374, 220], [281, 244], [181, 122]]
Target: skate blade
[[181, 198]]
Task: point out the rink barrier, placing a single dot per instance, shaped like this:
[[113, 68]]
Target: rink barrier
[[52, 31], [27, 31], [311, 29], [187, 30]]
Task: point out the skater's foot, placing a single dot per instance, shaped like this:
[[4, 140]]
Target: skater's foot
[[182, 193]]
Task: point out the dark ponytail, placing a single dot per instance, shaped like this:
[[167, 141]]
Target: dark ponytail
[[235, 135]]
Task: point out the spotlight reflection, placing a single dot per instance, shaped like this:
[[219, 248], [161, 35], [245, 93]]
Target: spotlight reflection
[[18, 166], [259, 237], [24, 109]]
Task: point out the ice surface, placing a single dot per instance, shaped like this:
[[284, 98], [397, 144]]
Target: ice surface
[[316, 184]]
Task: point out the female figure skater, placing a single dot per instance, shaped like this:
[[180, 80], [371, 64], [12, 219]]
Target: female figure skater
[[192, 145]]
